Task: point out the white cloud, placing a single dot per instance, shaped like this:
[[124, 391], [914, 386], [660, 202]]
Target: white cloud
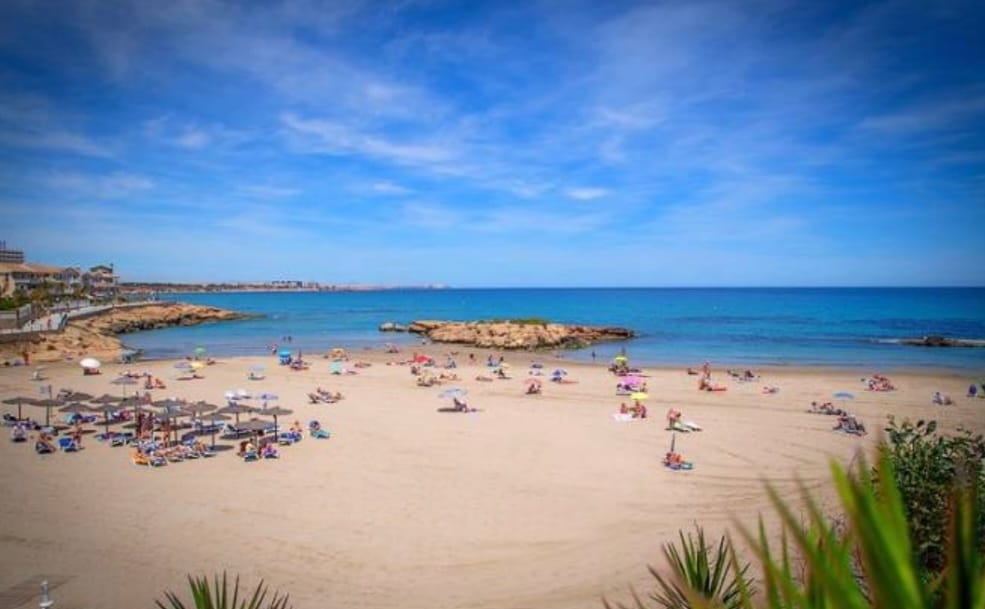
[[330, 137], [585, 194], [193, 139], [267, 191], [388, 188], [112, 186]]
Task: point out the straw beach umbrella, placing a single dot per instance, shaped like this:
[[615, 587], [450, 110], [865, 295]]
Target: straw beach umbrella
[[48, 404], [275, 412], [124, 381], [19, 401]]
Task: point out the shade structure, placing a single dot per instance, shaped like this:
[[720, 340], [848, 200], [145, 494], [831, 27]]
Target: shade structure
[[255, 426], [90, 363], [106, 399], [236, 409], [200, 351], [844, 395], [123, 381], [275, 412], [197, 409], [106, 408], [453, 392], [216, 417], [266, 396], [19, 401], [76, 396], [48, 404], [75, 408]]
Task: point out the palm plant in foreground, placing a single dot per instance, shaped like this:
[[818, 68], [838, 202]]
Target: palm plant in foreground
[[870, 563], [219, 596]]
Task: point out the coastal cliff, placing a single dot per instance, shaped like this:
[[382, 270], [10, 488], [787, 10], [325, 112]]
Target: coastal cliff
[[517, 334], [97, 335]]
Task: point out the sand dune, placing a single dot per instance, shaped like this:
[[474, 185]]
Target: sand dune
[[536, 501]]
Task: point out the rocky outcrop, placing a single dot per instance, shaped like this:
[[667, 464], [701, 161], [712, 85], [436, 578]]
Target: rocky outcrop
[[154, 317], [96, 336], [941, 341], [517, 334]]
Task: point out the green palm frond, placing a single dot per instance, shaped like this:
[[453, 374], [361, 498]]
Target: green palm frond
[[221, 596]]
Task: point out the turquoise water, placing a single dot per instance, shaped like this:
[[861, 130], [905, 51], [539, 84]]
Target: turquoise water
[[752, 327]]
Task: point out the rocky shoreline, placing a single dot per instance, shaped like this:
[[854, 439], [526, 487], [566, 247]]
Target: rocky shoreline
[[512, 334], [98, 335]]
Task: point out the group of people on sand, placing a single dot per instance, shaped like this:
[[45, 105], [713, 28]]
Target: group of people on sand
[[637, 410], [847, 422], [878, 382], [324, 396]]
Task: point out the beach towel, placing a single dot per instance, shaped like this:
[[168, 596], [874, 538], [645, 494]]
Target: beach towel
[[621, 417], [687, 465]]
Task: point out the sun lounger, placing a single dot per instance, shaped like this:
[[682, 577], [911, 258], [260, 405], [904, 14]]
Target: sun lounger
[[68, 445]]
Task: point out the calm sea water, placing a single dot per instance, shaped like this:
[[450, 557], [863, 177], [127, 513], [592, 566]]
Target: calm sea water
[[741, 327]]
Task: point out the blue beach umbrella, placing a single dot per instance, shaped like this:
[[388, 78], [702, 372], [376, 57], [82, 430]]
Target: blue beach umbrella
[[453, 392], [844, 395]]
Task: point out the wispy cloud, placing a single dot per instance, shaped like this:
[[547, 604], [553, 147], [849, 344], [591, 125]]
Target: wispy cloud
[[722, 135], [388, 188], [585, 194], [335, 138]]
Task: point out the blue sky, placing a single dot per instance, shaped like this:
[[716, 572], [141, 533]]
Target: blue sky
[[533, 143]]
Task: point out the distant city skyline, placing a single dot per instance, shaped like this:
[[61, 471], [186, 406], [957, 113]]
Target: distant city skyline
[[497, 144]]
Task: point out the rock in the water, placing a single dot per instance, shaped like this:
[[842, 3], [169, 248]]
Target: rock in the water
[[517, 334], [941, 341]]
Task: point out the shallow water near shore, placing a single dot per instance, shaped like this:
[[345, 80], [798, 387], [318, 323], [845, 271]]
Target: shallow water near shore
[[841, 327]]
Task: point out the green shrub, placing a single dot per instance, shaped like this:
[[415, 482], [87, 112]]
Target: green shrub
[[699, 569], [220, 596], [928, 465], [867, 563]]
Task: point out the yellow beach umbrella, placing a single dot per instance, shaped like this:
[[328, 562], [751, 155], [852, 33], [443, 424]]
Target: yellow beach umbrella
[[638, 395]]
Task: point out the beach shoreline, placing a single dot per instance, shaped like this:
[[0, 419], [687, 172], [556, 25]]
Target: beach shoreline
[[534, 500]]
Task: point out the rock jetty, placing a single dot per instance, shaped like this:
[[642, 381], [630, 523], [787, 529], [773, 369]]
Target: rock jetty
[[941, 341], [517, 334], [97, 335]]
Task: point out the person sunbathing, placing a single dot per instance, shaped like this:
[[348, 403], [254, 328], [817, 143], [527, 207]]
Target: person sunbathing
[[533, 388], [18, 433], [461, 405], [942, 399], [673, 418], [705, 384], [673, 458], [317, 431]]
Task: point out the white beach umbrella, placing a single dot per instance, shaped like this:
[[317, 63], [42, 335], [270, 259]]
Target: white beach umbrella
[[90, 363]]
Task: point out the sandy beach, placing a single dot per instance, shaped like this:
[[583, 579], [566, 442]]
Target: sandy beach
[[533, 501]]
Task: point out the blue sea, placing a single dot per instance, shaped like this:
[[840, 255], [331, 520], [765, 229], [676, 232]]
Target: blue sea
[[844, 327]]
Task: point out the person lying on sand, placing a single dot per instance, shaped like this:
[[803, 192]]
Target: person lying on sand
[[849, 424], [461, 405], [705, 384], [942, 399], [675, 460]]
